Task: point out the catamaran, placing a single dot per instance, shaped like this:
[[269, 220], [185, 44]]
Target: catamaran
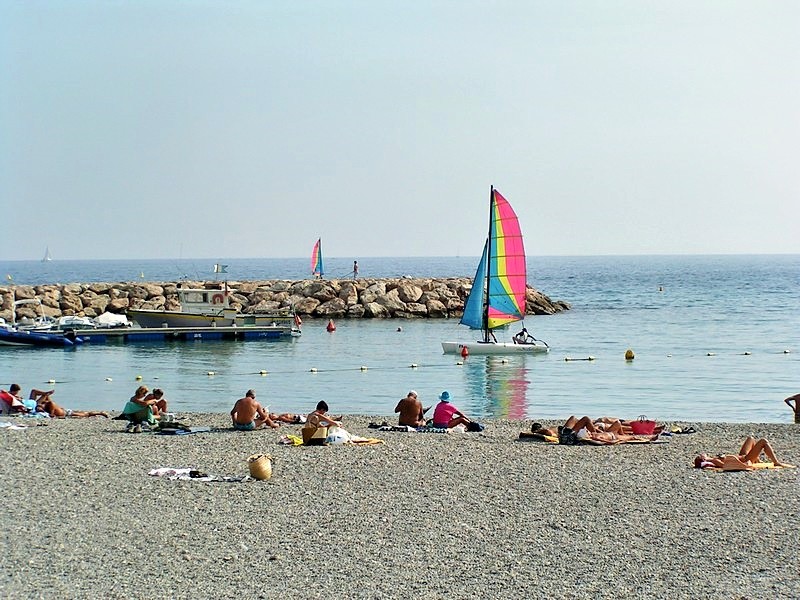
[[499, 289]]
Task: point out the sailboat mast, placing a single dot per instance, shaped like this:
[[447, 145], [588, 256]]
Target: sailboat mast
[[488, 268]]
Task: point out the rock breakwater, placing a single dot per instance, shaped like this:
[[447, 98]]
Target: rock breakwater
[[323, 298]]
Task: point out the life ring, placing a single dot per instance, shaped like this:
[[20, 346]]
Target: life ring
[[217, 299]]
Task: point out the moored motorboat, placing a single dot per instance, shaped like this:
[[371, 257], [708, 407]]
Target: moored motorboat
[[210, 307]]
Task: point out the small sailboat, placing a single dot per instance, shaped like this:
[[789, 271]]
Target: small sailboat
[[499, 289], [317, 268], [47, 256]]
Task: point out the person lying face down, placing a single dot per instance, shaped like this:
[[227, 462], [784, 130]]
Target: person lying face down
[[248, 414], [749, 453]]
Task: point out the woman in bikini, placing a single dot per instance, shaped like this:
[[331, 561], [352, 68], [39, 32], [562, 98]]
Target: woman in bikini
[[749, 453]]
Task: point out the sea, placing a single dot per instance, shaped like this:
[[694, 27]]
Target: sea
[[716, 338]]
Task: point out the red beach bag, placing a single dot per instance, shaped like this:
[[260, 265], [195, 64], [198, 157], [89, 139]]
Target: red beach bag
[[643, 426]]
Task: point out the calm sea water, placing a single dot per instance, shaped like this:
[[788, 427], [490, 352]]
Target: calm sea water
[[689, 319]]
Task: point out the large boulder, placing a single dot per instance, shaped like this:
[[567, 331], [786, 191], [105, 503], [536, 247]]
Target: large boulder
[[391, 301], [24, 292], [373, 292], [70, 304], [376, 311], [408, 292], [306, 306], [332, 308], [117, 305]]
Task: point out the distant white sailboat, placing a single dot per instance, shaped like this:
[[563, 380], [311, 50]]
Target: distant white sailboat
[[47, 257]]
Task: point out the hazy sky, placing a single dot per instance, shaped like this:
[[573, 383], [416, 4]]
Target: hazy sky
[[248, 129]]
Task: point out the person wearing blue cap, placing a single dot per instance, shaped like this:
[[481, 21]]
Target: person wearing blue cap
[[446, 415]]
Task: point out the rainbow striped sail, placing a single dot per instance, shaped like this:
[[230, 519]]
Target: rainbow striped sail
[[316, 259], [499, 289]]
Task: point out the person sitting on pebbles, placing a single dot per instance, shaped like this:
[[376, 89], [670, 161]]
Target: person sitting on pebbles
[[749, 453], [139, 409], [159, 404], [247, 414], [46, 404], [320, 417], [412, 414], [446, 415]]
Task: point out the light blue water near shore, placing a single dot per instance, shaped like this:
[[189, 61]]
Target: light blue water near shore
[[720, 305]]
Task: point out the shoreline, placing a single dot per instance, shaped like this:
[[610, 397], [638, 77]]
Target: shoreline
[[428, 515]]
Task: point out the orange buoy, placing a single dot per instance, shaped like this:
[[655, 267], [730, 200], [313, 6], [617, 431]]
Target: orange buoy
[[464, 352], [331, 325]]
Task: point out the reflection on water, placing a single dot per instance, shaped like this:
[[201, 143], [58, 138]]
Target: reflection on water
[[498, 385]]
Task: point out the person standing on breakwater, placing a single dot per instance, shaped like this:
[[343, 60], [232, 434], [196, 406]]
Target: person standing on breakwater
[[355, 269], [248, 414], [796, 407]]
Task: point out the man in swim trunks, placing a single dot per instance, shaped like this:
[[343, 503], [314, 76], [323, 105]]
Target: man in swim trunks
[[47, 405], [247, 414], [411, 411]]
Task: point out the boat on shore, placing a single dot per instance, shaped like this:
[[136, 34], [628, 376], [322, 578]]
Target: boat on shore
[[210, 307], [499, 289]]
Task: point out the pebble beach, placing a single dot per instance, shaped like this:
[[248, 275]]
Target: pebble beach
[[477, 515]]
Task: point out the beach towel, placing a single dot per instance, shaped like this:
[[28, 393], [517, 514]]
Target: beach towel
[[400, 428], [733, 465], [185, 474], [291, 440], [541, 437], [185, 430], [362, 441]]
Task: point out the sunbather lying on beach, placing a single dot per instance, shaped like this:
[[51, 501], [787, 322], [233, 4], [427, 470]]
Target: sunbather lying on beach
[[291, 418], [749, 453], [248, 414], [608, 433], [47, 405]]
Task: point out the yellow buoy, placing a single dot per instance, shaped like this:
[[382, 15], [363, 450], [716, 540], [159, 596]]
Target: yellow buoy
[[262, 372], [313, 369], [363, 368], [629, 354], [51, 381], [138, 378], [210, 373]]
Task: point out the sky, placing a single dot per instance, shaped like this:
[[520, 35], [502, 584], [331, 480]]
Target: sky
[[197, 129]]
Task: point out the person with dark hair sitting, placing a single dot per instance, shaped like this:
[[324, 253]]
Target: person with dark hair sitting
[[320, 417]]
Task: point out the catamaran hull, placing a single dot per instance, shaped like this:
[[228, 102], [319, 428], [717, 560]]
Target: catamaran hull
[[493, 348]]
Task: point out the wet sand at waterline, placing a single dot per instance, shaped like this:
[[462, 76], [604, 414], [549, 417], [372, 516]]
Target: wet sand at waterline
[[478, 515]]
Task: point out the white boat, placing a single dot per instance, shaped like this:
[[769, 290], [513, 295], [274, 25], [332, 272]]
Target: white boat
[[47, 257], [40, 323], [210, 307], [74, 322], [499, 290]]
